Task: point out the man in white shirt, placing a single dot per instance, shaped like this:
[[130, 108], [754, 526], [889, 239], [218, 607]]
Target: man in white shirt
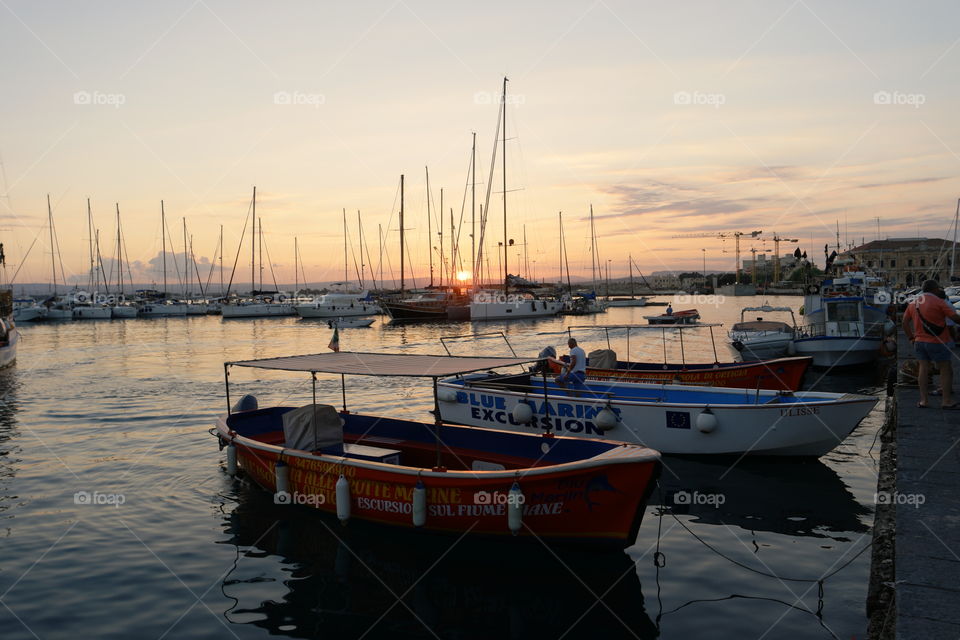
[[574, 371]]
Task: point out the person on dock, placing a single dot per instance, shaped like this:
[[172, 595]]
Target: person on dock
[[669, 310], [925, 324], [574, 369]]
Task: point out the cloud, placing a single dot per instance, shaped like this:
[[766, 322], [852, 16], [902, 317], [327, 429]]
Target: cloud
[[897, 183]]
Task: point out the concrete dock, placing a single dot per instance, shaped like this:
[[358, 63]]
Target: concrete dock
[[927, 507]]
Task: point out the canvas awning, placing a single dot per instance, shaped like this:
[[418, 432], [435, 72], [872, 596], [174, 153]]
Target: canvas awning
[[648, 327], [382, 364]]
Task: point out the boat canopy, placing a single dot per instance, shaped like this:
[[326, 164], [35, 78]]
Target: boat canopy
[[647, 327], [767, 309], [382, 364]]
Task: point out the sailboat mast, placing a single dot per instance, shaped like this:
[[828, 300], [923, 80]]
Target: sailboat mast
[[346, 275], [163, 235], [53, 256], [185, 258], [296, 276], [402, 274], [221, 260], [253, 245], [429, 228], [630, 258], [593, 251], [503, 105], [363, 272], [260, 238], [473, 212], [441, 237], [90, 238], [453, 251], [953, 251], [119, 260]]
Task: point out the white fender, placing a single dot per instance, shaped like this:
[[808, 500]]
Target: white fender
[[282, 473], [447, 395], [707, 421], [419, 504], [522, 413], [791, 348], [232, 459], [515, 502], [605, 419], [343, 499]]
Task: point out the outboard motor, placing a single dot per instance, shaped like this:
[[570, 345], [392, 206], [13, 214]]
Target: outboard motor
[[246, 403], [542, 367]]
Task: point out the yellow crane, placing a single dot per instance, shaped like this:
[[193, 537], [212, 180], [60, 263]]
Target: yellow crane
[[776, 254], [725, 234]]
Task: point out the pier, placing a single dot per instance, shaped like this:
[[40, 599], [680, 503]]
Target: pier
[[925, 508]]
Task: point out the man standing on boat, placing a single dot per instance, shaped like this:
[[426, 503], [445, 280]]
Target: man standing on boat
[[925, 324], [574, 370]]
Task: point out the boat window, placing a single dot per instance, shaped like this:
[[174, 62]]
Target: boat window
[[843, 311]]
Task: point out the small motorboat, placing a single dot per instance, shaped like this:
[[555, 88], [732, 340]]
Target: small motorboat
[[671, 418], [688, 316], [430, 475], [342, 323], [775, 374], [762, 339]]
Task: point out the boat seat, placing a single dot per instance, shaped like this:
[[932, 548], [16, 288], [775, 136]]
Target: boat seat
[[313, 427]]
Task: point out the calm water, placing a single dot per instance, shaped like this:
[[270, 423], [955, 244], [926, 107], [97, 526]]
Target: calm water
[[180, 550]]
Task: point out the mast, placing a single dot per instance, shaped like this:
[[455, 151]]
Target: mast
[[53, 256], [185, 258], [630, 258], [296, 276], [90, 238], [260, 237], [473, 212], [253, 245], [441, 237], [453, 251], [593, 251], [360, 236], [429, 228], [503, 104], [221, 260], [346, 276], [953, 251], [119, 255], [526, 256], [401, 236], [163, 234]]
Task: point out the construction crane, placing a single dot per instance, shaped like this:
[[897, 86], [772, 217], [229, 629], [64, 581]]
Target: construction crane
[[776, 254], [725, 234]]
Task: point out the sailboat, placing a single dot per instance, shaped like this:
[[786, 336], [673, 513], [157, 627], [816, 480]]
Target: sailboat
[[497, 305], [162, 306], [260, 304], [58, 307], [121, 308], [633, 300], [86, 306], [427, 305]]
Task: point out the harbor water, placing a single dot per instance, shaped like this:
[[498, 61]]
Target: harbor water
[[118, 520]]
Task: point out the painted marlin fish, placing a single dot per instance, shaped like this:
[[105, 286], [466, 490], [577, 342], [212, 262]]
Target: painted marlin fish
[[597, 483]]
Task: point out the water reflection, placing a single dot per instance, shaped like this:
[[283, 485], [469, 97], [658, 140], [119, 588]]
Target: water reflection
[[349, 581], [794, 497]]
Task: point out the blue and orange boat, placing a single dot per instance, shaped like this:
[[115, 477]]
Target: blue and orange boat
[[434, 476]]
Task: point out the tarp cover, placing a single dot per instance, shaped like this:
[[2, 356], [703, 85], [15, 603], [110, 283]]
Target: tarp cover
[[301, 432], [382, 364], [603, 359]]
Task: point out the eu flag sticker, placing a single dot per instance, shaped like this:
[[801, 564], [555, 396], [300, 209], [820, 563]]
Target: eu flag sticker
[[678, 420]]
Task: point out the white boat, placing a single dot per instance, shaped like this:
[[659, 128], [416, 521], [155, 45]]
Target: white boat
[[342, 323], [195, 308], [846, 321], [676, 419], [58, 308], [258, 308], [123, 311], [339, 305], [162, 309], [762, 339], [84, 307], [500, 306], [27, 310], [9, 335], [627, 302]]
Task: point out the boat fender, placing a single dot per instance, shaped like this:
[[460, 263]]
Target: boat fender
[[282, 473], [343, 499], [246, 403], [522, 413], [707, 421], [419, 504], [515, 508], [231, 459], [791, 348], [447, 395], [605, 419]]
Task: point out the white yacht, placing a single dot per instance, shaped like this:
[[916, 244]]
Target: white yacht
[[763, 339], [339, 305]]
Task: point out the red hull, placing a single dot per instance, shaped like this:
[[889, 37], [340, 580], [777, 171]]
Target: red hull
[[780, 374]]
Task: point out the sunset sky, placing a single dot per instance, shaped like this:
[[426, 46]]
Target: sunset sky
[[695, 117]]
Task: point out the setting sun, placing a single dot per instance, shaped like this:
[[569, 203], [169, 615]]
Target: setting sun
[[463, 276]]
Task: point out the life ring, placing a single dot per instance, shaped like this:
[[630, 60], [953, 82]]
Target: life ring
[[813, 288]]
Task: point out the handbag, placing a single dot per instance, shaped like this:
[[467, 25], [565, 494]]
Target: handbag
[[933, 329]]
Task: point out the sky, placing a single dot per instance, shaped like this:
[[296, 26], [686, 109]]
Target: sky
[[690, 119]]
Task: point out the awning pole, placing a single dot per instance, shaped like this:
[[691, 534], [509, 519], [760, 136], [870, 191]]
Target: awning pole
[[716, 360], [313, 379], [663, 338], [343, 391], [628, 344], [226, 380], [607, 331], [683, 356], [436, 424], [546, 405]]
